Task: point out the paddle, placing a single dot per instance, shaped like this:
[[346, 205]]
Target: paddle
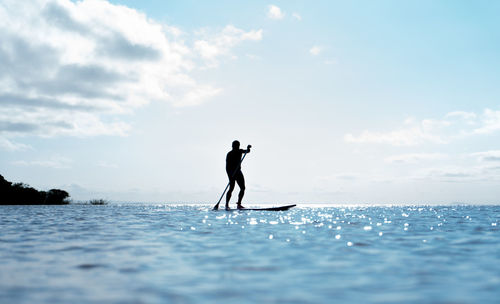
[[234, 173]]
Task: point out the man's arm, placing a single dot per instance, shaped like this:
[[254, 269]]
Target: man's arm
[[248, 149]]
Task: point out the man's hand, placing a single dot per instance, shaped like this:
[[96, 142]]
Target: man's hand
[[249, 146]]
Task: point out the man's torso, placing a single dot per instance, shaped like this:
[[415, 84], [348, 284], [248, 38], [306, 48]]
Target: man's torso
[[233, 160]]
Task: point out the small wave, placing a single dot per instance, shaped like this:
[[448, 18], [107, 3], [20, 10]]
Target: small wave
[[71, 248], [255, 269], [90, 266]]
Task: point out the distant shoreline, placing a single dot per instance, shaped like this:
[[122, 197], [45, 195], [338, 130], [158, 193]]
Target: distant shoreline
[[22, 194]]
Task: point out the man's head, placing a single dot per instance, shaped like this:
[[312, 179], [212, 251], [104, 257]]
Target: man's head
[[236, 145]]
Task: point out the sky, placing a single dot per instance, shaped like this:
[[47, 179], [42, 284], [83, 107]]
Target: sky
[[343, 101]]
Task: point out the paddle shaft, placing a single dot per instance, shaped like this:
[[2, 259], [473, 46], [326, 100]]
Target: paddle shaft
[[232, 176]]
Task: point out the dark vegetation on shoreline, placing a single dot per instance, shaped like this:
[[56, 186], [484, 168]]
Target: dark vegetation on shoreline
[[22, 194], [98, 202]]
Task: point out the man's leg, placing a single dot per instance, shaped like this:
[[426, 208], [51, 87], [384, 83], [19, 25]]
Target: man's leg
[[229, 192], [241, 183]]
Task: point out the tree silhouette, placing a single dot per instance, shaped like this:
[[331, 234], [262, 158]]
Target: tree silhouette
[[22, 194]]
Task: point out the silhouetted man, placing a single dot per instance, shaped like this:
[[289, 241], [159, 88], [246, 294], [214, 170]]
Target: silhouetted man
[[233, 169]]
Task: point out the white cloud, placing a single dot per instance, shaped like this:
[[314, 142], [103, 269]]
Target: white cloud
[[331, 61], [56, 162], [297, 16], [414, 157], [455, 125], [461, 114], [198, 95], [454, 173], [253, 57], [490, 122], [215, 45], [8, 145], [354, 178], [275, 12], [451, 167], [105, 164], [75, 68], [451, 174], [315, 50], [487, 156], [339, 177], [404, 137]]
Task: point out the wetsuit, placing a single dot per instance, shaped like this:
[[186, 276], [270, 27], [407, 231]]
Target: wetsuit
[[233, 162]]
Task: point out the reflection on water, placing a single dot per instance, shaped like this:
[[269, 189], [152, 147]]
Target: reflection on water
[[140, 253]]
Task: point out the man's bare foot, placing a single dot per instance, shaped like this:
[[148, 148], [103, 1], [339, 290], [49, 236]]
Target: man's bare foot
[[239, 206], [227, 207]]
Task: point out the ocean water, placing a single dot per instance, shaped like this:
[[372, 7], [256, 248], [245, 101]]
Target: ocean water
[[161, 253]]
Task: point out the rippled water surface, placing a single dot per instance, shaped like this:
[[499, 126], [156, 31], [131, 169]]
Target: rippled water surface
[[140, 253]]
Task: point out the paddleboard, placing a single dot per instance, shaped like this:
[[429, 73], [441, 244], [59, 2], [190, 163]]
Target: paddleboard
[[281, 208]]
